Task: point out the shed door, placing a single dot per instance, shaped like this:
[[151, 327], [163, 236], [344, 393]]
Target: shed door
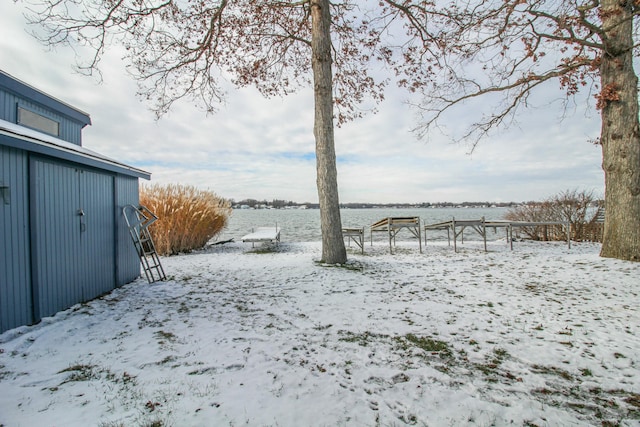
[[72, 213]]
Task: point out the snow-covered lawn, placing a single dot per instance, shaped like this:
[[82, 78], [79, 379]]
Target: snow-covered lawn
[[538, 336]]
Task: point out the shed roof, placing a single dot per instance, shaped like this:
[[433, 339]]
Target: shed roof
[[21, 88], [16, 136]]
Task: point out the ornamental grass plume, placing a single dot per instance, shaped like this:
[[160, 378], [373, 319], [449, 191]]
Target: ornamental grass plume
[[188, 218]]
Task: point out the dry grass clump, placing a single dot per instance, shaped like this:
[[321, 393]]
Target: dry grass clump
[[188, 217]]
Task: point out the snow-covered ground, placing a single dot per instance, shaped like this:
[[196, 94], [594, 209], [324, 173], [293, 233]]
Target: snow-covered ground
[[539, 336]]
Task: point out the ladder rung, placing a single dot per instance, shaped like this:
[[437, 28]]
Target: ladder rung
[[144, 245]]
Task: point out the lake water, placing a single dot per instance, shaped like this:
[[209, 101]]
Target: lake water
[[303, 225]]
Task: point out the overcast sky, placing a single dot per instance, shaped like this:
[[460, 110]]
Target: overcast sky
[[264, 149]]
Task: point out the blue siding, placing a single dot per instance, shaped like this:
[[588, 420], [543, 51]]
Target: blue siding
[[7, 103], [15, 278], [8, 110], [50, 256], [54, 257], [127, 263], [74, 255], [97, 234], [12, 85], [55, 201], [70, 130]]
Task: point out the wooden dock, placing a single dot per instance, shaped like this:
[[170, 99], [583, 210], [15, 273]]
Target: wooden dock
[[457, 227], [393, 225], [263, 234]]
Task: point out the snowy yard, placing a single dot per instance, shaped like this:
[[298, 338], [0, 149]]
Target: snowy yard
[[538, 336]]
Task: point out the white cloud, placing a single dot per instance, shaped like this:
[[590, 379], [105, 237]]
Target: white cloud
[[264, 148]]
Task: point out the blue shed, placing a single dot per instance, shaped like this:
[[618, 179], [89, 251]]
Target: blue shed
[[63, 239]]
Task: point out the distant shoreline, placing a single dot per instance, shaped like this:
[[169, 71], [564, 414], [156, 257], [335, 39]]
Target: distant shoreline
[[303, 225], [254, 204]]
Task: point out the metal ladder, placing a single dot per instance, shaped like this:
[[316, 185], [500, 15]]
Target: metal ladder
[[138, 220]]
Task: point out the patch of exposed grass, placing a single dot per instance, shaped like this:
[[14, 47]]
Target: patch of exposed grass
[[491, 368], [155, 423], [167, 359], [165, 337], [87, 372], [586, 372], [500, 354], [4, 373], [633, 399], [552, 370], [607, 406], [265, 249], [363, 339], [426, 344], [349, 265], [125, 378], [322, 327], [487, 304], [81, 372], [566, 331], [184, 308]]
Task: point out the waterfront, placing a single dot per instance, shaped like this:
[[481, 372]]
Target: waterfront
[[303, 225], [541, 335]]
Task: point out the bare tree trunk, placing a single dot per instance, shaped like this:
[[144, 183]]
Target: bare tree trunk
[[620, 135], [333, 250]]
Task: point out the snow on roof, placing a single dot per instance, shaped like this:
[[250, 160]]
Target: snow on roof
[[51, 145]]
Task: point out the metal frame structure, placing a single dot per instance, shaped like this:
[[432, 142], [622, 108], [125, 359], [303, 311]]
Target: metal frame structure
[[263, 234], [356, 235], [393, 225], [481, 225], [139, 231]]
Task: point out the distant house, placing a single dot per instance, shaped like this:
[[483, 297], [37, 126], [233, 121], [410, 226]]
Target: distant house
[[63, 239]]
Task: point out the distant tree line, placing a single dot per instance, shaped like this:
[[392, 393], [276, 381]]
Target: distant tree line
[[275, 203], [281, 204]]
